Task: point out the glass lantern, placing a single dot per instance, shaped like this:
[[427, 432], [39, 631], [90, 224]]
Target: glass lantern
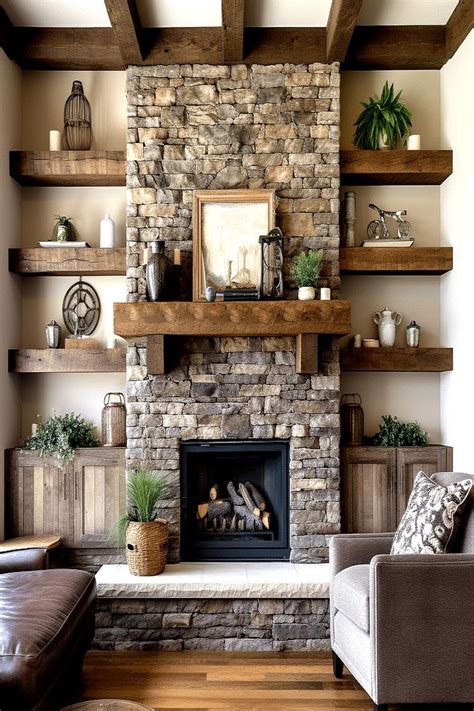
[[271, 265]]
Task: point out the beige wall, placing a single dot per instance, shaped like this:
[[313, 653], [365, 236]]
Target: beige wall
[[42, 297], [457, 389], [10, 312], [410, 396]]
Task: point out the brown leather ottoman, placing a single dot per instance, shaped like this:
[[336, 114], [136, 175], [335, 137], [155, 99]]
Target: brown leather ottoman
[[46, 626]]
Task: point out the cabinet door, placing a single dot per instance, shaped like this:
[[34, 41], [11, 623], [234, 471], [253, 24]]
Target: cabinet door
[[410, 460], [368, 489], [38, 496], [99, 496]]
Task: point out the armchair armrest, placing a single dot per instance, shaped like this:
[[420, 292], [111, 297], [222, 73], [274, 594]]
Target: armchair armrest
[[421, 621], [23, 560], [348, 549]]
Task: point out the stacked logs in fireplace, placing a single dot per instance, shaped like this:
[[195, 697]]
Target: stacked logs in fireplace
[[243, 510]]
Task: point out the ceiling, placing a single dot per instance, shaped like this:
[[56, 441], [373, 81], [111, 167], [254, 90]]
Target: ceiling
[[207, 13]]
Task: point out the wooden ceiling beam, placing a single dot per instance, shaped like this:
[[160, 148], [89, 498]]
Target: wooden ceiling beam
[[232, 30], [340, 27], [459, 25], [397, 47], [7, 35], [123, 16]]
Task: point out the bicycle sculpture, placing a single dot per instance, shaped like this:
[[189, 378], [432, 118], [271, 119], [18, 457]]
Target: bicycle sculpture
[[378, 230]]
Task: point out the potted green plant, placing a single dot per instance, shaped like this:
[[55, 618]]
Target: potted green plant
[[61, 435], [305, 270], [143, 533], [393, 433], [63, 230], [384, 122]]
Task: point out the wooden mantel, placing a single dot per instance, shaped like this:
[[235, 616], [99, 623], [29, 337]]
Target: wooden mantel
[[303, 319]]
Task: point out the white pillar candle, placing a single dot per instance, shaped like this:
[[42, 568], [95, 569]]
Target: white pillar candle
[[357, 340], [325, 293], [34, 428], [414, 142], [55, 140], [177, 257]]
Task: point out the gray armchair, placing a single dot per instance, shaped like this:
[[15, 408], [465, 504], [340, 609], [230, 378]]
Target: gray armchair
[[403, 625]]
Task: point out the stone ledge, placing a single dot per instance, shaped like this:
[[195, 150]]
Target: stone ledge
[[218, 580]]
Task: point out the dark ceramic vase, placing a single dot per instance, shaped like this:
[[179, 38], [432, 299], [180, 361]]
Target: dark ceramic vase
[[156, 269]]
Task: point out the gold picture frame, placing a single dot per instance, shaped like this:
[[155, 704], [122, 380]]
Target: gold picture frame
[[226, 228]]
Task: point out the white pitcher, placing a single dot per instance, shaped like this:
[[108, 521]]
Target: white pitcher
[[387, 322]]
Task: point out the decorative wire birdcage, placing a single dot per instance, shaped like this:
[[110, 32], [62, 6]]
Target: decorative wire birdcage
[[77, 120]]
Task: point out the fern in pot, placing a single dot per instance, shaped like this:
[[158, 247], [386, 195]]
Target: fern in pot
[[143, 533], [384, 122], [305, 270]]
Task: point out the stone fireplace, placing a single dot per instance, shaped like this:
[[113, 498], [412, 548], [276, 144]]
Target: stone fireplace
[[197, 127]]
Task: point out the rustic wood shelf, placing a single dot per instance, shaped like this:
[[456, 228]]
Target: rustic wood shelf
[[67, 261], [68, 168], [396, 260], [397, 360], [60, 360], [303, 319], [398, 167]]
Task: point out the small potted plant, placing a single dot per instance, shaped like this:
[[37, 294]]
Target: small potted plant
[[60, 436], [144, 535], [393, 433], [63, 230], [305, 271], [384, 122]]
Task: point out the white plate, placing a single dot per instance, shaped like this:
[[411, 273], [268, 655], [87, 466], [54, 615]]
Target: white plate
[[63, 244]]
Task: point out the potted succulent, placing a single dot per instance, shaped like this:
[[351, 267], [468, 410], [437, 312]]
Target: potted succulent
[[144, 535], [305, 271], [384, 122], [60, 436], [63, 230]]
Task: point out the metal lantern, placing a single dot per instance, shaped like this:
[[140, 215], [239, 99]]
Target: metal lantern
[[77, 120], [114, 417], [271, 265]]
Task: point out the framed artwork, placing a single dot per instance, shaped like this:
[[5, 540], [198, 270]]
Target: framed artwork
[[226, 228]]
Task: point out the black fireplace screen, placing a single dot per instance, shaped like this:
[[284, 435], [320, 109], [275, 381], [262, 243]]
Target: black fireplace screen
[[234, 500]]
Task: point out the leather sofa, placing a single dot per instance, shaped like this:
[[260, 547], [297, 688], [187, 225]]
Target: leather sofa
[[46, 627], [403, 624]]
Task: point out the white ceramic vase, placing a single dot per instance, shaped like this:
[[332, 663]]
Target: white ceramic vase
[[306, 293], [387, 322]]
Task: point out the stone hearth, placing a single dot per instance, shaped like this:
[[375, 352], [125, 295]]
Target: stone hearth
[[196, 127]]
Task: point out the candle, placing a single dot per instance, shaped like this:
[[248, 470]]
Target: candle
[[357, 340], [177, 257], [55, 140], [414, 142], [325, 294], [146, 254], [34, 428]]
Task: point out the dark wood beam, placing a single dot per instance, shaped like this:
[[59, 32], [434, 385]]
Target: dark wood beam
[[97, 48], [397, 47], [459, 25], [7, 35], [341, 23], [123, 16], [232, 30]]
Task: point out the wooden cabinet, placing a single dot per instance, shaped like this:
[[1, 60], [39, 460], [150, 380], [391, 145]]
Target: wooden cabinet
[[377, 482], [99, 496], [79, 501]]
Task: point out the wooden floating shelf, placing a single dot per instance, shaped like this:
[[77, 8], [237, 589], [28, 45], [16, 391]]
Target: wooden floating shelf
[[68, 168], [302, 319], [67, 261], [397, 360], [396, 260], [60, 360], [397, 167]]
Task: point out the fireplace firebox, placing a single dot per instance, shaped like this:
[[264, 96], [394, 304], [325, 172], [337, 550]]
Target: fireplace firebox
[[234, 500]]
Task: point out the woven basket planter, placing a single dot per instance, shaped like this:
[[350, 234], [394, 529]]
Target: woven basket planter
[[146, 545]]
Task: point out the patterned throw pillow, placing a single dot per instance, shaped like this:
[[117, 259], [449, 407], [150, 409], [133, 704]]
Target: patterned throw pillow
[[428, 521]]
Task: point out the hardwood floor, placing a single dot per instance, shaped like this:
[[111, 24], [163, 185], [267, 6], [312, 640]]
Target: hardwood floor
[[297, 681]]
